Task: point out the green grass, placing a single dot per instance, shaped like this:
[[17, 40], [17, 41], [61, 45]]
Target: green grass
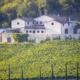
[[31, 57]]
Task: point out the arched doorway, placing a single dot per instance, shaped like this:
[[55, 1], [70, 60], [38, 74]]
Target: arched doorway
[[9, 39]]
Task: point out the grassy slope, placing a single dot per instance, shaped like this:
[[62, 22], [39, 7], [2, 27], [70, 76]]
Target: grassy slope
[[31, 57]]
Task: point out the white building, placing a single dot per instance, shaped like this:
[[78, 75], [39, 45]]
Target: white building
[[53, 25], [45, 26]]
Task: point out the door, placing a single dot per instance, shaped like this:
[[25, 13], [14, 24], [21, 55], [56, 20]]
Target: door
[[9, 40]]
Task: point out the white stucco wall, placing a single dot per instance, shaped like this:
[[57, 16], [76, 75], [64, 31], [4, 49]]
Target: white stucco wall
[[70, 28], [50, 29], [17, 23], [53, 29], [5, 36], [37, 37]]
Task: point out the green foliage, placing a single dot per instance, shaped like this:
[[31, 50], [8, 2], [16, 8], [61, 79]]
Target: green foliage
[[5, 24], [22, 5], [31, 57], [20, 37]]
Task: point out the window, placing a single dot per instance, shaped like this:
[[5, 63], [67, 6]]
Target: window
[[30, 31], [42, 31], [33, 31], [75, 31], [37, 31], [9, 40], [36, 22], [18, 23], [66, 31], [26, 31], [52, 23], [40, 22], [33, 22], [28, 22]]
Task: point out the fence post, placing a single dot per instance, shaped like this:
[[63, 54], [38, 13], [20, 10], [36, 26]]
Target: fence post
[[22, 74], [77, 71], [52, 73], [40, 74], [66, 71], [9, 72]]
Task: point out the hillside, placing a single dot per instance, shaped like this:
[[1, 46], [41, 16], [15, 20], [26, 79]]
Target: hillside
[[31, 57], [10, 9]]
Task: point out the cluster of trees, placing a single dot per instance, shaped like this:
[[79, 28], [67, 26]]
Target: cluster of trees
[[10, 9]]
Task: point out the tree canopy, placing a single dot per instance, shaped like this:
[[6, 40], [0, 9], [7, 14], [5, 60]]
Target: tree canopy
[[10, 9]]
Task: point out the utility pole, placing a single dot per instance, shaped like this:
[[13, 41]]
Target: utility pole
[[9, 72], [45, 7], [66, 68], [52, 72], [77, 71], [39, 7], [22, 73]]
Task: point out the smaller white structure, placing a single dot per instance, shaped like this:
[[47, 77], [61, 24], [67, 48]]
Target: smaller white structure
[[18, 23], [70, 30], [6, 38]]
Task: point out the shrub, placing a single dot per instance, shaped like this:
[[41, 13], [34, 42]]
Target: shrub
[[20, 37]]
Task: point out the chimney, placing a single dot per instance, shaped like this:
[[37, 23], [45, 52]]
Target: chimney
[[45, 12], [69, 19], [39, 10]]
